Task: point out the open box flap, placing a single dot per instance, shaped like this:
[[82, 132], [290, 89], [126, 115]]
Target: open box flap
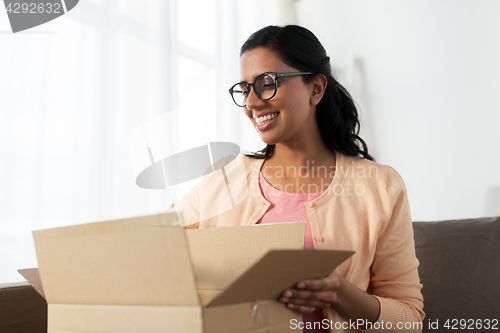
[[105, 263], [31, 275], [221, 255], [168, 218], [279, 270]]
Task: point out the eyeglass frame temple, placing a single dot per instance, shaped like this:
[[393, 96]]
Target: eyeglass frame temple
[[278, 75]]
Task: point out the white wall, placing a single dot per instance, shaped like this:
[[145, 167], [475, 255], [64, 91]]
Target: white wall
[[427, 78]]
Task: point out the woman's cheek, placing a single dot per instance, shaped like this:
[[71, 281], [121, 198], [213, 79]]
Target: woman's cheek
[[248, 113], [250, 117]]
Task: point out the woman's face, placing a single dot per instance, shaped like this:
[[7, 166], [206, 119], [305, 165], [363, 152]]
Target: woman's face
[[291, 107]]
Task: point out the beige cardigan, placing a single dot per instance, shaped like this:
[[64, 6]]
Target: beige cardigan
[[365, 209]]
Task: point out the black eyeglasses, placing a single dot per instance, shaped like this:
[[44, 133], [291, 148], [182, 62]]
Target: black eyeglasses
[[265, 87]]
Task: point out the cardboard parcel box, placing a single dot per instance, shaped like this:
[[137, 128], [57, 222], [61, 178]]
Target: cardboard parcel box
[[145, 275]]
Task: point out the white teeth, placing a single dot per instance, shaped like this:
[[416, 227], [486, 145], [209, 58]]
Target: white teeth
[[264, 119]]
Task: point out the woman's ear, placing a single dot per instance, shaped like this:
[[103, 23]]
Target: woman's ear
[[319, 84]]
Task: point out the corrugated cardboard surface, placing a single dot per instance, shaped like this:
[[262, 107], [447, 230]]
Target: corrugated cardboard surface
[[148, 266], [124, 319], [220, 255], [267, 316], [279, 270], [141, 275], [33, 277]]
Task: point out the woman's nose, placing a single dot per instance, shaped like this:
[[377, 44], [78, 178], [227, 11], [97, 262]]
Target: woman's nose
[[253, 101]]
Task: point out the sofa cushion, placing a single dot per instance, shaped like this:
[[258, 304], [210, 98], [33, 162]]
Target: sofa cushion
[[22, 309], [459, 269]]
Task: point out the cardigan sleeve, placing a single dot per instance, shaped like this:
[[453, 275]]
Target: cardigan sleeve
[[395, 281], [190, 207]]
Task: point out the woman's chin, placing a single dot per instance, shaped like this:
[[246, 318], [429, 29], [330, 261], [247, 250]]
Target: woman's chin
[[268, 140]]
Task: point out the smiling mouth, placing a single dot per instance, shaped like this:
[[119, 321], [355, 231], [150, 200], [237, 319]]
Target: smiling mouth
[[264, 119]]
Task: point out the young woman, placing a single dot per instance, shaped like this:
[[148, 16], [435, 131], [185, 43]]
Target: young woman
[[316, 168]]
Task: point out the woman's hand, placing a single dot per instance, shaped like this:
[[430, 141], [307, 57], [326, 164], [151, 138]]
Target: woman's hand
[[311, 295], [332, 291]]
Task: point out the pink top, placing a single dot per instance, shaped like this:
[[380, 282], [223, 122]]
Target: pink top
[[290, 207]]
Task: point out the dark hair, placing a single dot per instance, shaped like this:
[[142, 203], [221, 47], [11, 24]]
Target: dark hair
[[336, 113]]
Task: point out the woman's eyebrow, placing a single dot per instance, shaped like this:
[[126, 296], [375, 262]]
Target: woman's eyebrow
[[255, 76]]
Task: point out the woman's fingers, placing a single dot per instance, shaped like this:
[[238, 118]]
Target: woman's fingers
[[330, 282], [308, 303], [307, 297], [310, 295], [301, 308]]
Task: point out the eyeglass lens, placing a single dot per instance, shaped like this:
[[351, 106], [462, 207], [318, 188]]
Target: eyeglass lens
[[264, 86]]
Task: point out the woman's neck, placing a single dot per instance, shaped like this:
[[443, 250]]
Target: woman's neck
[[303, 169], [305, 155]]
